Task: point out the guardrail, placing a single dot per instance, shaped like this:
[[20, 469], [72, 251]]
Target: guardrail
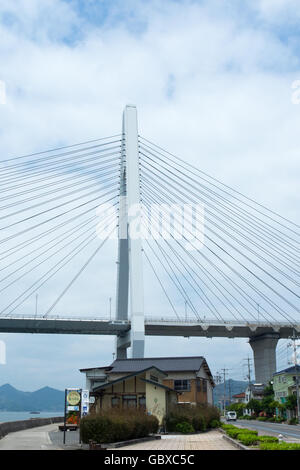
[[153, 320]]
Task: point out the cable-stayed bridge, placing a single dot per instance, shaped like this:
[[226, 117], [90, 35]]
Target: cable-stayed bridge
[[232, 262]]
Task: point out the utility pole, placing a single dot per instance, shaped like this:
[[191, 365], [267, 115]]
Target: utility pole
[[249, 370], [218, 380], [248, 376], [229, 391], [295, 346], [224, 398]]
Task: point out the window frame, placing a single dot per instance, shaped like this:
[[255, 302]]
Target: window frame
[[182, 387]]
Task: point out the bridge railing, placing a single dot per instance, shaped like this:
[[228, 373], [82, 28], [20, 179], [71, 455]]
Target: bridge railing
[[152, 320]]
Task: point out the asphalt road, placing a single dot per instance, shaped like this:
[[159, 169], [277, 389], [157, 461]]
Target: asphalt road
[[273, 429]]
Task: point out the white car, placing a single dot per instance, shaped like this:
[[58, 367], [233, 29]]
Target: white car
[[230, 416]]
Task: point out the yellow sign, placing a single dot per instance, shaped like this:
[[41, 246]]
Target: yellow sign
[[73, 398]]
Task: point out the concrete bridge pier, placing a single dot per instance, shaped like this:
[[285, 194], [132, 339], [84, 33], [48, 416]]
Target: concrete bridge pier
[[264, 352]]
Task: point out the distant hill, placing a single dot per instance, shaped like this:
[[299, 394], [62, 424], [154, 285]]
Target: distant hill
[[45, 399], [232, 387]]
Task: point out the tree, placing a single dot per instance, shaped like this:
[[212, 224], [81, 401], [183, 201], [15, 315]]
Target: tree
[[268, 391], [254, 405], [267, 403], [238, 408], [291, 402]]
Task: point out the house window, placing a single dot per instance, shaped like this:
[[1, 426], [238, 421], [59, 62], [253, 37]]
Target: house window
[[201, 385], [115, 402], [142, 402], [182, 385], [129, 401]]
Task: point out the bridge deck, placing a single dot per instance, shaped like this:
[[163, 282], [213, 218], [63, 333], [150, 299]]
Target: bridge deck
[[153, 327]]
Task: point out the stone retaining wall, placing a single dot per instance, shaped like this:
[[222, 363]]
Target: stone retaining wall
[[14, 426]]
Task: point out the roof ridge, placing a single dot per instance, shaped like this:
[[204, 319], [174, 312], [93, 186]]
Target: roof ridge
[[159, 358]]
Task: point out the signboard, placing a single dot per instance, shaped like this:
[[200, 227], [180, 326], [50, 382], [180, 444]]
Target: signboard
[[73, 397], [73, 408], [85, 402], [73, 404], [77, 404]]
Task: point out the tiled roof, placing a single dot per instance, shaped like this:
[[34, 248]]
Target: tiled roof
[[239, 395], [166, 364], [289, 370]]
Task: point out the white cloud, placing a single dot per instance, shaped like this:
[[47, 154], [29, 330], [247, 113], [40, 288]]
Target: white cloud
[[211, 87]]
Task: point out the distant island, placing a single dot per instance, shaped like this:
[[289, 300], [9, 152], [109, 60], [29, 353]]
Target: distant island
[[45, 399]]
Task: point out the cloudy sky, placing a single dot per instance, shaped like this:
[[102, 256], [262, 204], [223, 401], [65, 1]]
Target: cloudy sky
[[214, 82]]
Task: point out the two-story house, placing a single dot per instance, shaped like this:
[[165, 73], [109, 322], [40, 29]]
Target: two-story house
[[284, 383], [151, 383], [239, 397], [253, 392]]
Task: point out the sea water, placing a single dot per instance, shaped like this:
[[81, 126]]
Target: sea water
[[6, 416]]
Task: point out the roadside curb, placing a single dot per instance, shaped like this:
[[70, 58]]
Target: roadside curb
[[233, 441], [236, 443]]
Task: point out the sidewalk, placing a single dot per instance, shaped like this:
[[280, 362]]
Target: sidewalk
[[49, 438], [211, 440], [30, 439]]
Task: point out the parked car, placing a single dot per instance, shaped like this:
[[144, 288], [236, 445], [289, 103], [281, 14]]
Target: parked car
[[230, 416]]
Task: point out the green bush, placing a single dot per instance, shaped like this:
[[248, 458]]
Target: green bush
[[201, 417], [184, 427], [278, 446], [228, 426], [247, 439], [262, 418], [233, 433], [267, 439], [215, 423], [117, 425], [199, 423], [293, 421]]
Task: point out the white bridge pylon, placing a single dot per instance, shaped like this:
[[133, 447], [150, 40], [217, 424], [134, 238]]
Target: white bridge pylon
[[130, 290]]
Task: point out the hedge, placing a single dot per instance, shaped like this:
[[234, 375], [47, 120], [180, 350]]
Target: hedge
[[117, 425], [234, 433], [199, 417], [248, 437], [185, 428], [279, 446], [268, 439]]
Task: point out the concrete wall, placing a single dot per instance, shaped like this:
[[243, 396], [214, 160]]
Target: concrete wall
[[14, 426]]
